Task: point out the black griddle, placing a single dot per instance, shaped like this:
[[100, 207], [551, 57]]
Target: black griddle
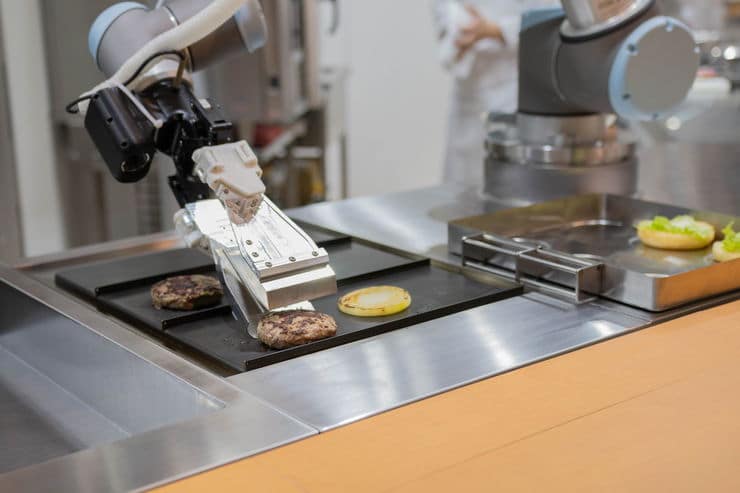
[[133, 301], [435, 293], [115, 289], [109, 276], [119, 275]]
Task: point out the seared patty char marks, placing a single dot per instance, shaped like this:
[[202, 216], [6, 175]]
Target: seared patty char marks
[[187, 292], [290, 328]]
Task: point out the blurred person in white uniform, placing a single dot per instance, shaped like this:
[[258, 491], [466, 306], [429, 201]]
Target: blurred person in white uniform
[[478, 44]]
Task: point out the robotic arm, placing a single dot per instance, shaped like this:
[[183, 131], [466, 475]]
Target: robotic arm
[[147, 105], [579, 66], [605, 56], [155, 110]]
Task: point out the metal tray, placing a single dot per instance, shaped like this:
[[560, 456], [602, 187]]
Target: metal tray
[[587, 245]]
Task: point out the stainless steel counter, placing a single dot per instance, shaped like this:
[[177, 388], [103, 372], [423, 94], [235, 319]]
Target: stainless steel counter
[[332, 388], [285, 402], [102, 369]]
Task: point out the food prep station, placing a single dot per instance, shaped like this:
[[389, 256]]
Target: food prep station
[[101, 391], [173, 393]]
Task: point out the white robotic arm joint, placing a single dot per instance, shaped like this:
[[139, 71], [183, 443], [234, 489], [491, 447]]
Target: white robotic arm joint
[[265, 260]]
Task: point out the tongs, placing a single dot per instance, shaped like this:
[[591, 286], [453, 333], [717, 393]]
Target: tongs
[[268, 263]]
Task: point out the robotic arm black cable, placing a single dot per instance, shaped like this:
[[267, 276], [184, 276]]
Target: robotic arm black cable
[[155, 110]]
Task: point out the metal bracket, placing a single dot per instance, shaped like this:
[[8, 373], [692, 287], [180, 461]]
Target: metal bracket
[[247, 310], [267, 264], [534, 266]]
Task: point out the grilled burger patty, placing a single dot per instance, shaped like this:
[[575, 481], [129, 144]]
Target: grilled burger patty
[[290, 328], [187, 292]]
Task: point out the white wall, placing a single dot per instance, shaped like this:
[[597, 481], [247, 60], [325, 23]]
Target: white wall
[[397, 95], [40, 206]]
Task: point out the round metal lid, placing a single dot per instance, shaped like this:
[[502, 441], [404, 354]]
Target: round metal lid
[[502, 147]]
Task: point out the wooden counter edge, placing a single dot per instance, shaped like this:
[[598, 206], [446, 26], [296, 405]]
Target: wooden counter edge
[[615, 409]]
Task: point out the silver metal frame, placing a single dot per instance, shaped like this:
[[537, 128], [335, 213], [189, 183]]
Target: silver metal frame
[[531, 262], [265, 264], [548, 155], [550, 141], [624, 270], [532, 158], [558, 129]]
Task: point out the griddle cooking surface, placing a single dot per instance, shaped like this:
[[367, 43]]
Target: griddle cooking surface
[[434, 292], [109, 276], [136, 305], [351, 260], [214, 332]]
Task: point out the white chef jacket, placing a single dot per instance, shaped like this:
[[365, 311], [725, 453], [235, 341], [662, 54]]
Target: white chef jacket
[[490, 86]]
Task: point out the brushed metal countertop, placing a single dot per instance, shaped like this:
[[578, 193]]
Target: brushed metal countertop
[[334, 387], [245, 425]]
